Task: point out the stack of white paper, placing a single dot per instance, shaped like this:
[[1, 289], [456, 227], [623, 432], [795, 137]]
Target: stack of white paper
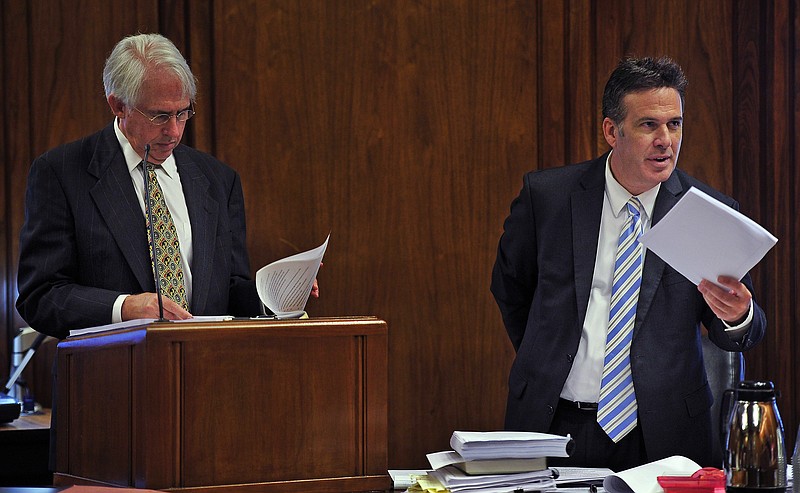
[[498, 461], [440, 460], [455, 481], [473, 445]]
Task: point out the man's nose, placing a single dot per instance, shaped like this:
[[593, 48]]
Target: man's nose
[[663, 138], [172, 127]]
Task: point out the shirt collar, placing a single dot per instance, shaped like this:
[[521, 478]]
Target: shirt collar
[[133, 160], [618, 197]]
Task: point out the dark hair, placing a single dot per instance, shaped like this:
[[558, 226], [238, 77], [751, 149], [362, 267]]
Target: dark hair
[[640, 74]]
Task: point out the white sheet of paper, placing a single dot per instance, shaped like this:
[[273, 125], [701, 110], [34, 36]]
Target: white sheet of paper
[[439, 460], [644, 479], [404, 478], [285, 285], [702, 238], [144, 321]]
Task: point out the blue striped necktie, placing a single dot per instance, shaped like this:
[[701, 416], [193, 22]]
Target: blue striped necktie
[[617, 409]]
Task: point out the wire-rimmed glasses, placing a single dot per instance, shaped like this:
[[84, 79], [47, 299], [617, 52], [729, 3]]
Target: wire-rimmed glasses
[[163, 118]]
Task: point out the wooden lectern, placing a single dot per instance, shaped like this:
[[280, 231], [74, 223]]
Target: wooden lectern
[[244, 406]]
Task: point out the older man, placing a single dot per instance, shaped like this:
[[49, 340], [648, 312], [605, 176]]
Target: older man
[[84, 246]]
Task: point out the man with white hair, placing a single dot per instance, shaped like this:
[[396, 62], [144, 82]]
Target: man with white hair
[[84, 247]]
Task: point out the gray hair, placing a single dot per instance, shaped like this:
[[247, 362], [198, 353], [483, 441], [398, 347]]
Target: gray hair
[[127, 65]]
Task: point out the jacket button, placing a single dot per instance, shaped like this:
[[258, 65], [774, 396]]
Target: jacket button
[[569, 358], [550, 410]]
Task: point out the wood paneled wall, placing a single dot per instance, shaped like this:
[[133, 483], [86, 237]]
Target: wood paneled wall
[[403, 128]]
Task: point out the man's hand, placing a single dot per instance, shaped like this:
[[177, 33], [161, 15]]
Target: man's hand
[[731, 304], [145, 305], [315, 286], [315, 289]]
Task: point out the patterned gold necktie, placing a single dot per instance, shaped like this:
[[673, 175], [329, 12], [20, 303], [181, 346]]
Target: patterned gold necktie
[[168, 251]]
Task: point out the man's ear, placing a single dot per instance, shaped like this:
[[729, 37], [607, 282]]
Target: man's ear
[[610, 132], [117, 106]]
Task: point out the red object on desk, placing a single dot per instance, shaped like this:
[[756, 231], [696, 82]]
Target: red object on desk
[[706, 480]]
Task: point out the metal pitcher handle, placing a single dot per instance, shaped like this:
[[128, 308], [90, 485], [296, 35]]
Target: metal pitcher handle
[[725, 414]]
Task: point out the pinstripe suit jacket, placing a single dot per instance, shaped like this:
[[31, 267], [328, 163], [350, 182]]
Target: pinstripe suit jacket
[[541, 281], [84, 240]]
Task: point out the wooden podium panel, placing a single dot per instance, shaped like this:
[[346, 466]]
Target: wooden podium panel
[[297, 405]]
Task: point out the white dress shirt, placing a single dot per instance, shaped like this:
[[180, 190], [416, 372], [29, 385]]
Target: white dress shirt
[[170, 181], [583, 381]]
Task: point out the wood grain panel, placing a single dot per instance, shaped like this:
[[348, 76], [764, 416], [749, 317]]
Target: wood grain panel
[[583, 101], [784, 278], [280, 410], [772, 195], [386, 123], [748, 142], [13, 143], [552, 84], [404, 127], [107, 451], [66, 65]]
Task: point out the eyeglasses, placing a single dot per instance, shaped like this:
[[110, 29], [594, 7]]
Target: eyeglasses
[[163, 118]]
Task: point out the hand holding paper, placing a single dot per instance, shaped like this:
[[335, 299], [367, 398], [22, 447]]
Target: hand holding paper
[[703, 238], [728, 298], [285, 285]]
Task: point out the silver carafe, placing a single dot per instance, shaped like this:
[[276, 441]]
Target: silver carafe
[[755, 456]]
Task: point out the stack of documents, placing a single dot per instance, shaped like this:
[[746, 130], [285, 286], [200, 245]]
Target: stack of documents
[[497, 461], [473, 445], [455, 480]]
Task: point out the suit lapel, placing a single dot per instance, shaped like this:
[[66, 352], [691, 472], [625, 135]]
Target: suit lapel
[[668, 195], [203, 215], [587, 209], [116, 201]]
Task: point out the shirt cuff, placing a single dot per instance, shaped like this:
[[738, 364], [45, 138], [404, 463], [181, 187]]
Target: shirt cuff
[[738, 330], [116, 310]]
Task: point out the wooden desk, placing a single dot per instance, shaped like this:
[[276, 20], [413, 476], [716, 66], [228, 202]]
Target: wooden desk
[[24, 451]]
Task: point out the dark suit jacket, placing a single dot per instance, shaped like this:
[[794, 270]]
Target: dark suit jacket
[[84, 240], [541, 281]]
